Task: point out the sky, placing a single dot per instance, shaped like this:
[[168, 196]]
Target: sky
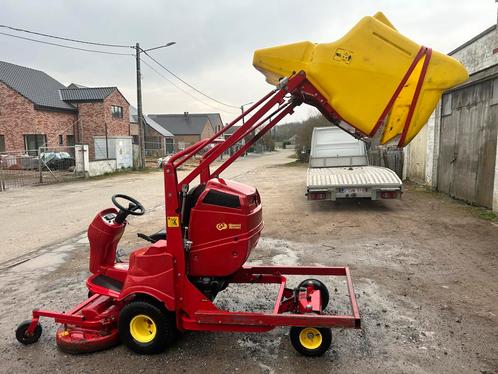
[[214, 39]]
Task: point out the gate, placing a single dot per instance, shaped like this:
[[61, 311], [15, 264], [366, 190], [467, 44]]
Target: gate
[[391, 158], [468, 144], [45, 165]]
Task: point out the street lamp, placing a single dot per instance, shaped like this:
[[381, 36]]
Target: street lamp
[[141, 126], [242, 110]]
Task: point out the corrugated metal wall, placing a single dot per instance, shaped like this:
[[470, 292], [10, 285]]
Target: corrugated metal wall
[[468, 137]]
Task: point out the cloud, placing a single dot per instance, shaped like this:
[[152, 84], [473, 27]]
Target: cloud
[[215, 39]]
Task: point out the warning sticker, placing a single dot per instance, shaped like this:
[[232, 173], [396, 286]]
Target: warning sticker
[[173, 221], [343, 55]]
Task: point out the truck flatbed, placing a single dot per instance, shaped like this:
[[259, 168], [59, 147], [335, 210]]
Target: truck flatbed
[[359, 181], [339, 169]]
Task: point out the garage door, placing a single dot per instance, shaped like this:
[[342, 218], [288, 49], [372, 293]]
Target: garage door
[[468, 143]]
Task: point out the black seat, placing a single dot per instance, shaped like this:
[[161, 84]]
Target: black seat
[[192, 197]]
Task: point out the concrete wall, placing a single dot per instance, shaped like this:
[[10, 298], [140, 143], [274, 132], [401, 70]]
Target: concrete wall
[[92, 168], [96, 168], [416, 158], [480, 54], [476, 55]]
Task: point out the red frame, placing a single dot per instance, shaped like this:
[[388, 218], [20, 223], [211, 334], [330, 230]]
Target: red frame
[[194, 312], [160, 270]]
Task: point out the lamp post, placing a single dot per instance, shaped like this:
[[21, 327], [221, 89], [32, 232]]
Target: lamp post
[[242, 110], [141, 125]]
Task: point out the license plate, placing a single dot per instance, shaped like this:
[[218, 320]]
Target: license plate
[[351, 190]]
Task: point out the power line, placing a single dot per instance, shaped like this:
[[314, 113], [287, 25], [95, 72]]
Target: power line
[[181, 89], [67, 39], [67, 46], [188, 84], [118, 54]]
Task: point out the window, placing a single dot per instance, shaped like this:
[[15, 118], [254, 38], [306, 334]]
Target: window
[[2, 143], [34, 141], [70, 140], [61, 140], [116, 111], [446, 105]]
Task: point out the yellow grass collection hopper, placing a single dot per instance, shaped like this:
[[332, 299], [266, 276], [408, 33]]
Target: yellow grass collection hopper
[[374, 78]]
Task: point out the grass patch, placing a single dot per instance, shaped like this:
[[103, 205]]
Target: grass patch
[[488, 215], [294, 163]]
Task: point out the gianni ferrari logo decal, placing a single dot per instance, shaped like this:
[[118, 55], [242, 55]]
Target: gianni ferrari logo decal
[[231, 226], [221, 226]]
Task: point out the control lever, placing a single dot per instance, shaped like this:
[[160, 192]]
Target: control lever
[[145, 237]]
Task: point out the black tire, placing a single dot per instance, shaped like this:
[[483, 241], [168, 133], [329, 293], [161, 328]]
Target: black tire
[[318, 285], [324, 336], [23, 337], [161, 329]]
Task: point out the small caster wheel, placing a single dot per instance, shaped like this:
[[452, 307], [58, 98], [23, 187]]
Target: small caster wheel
[[22, 333], [311, 341], [317, 285]]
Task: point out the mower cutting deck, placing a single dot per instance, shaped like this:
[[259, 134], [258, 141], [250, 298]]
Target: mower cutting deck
[[211, 228]]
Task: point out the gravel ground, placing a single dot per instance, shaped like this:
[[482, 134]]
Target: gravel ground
[[424, 270]]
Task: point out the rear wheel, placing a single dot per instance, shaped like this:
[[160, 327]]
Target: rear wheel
[[22, 333], [318, 285], [145, 328], [311, 341]]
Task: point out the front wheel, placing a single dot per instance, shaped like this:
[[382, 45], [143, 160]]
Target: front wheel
[[22, 333], [311, 341], [145, 328]]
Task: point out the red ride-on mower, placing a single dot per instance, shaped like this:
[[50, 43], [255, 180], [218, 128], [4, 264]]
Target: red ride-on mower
[[211, 228]]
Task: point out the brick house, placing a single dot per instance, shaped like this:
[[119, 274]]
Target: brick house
[[189, 128], [103, 112], [36, 110]]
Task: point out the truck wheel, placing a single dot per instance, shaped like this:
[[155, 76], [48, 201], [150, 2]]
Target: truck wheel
[[144, 328], [22, 333], [311, 341], [317, 285]]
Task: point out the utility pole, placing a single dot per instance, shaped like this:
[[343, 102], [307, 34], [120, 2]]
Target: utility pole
[[141, 122], [141, 127]]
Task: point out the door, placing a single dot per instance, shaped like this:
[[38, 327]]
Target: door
[[468, 144]]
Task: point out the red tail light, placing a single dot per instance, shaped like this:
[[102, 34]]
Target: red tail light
[[317, 195], [388, 194]]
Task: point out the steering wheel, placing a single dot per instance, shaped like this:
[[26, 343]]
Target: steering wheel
[[135, 208]]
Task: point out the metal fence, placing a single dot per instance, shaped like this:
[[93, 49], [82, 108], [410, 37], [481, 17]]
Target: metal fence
[[44, 165], [391, 158]]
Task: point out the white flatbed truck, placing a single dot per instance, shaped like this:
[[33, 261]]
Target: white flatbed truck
[[338, 168]]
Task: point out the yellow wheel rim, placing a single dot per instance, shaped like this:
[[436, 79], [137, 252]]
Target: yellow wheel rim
[[310, 338], [142, 328]]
